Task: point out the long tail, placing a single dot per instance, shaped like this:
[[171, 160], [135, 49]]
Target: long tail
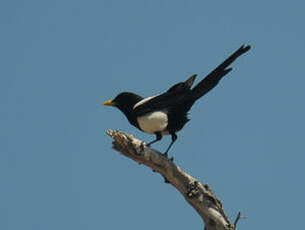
[[212, 79]]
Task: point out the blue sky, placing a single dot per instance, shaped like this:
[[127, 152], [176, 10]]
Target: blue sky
[[62, 59]]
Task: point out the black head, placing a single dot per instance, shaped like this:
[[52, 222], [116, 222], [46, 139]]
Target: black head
[[125, 102]]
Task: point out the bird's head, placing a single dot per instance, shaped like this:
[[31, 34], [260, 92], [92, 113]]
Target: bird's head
[[124, 101]]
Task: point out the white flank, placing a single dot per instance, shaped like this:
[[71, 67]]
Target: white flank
[[153, 122]]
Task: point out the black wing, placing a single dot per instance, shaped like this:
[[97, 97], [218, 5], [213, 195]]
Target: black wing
[[183, 85], [176, 95]]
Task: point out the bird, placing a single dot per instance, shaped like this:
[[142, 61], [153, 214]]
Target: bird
[[166, 113]]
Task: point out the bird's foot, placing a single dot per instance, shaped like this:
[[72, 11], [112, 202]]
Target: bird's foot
[[166, 155]]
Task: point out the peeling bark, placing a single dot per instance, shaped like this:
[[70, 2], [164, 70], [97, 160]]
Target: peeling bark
[[199, 196]]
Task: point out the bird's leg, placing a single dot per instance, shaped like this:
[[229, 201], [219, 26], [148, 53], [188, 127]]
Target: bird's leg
[[174, 138], [158, 138]]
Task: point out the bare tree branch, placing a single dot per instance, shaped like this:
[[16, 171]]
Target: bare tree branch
[[199, 196]]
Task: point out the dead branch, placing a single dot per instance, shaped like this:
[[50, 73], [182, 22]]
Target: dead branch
[[199, 196]]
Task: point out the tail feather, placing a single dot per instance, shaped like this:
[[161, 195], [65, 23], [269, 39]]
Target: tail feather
[[212, 79]]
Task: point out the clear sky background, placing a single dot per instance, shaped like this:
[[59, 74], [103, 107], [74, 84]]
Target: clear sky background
[[61, 59]]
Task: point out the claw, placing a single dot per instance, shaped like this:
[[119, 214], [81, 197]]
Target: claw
[[142, 146], [166, 155]]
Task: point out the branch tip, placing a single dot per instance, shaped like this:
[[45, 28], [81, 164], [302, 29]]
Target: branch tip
[[237, 219]]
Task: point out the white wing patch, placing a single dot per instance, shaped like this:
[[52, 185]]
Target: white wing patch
[[143, 101], [153, 122]]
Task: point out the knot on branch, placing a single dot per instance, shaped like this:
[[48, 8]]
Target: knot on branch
[[192, 189]]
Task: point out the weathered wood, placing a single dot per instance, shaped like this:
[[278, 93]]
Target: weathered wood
[[199, 196]]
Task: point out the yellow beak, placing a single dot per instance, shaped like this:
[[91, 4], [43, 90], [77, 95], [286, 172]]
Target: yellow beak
[[109, 103]]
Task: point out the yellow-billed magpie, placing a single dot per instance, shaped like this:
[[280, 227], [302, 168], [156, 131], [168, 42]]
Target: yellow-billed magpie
[[167, 113]]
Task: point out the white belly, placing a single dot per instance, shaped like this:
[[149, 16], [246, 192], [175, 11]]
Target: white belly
[[153, 122]]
